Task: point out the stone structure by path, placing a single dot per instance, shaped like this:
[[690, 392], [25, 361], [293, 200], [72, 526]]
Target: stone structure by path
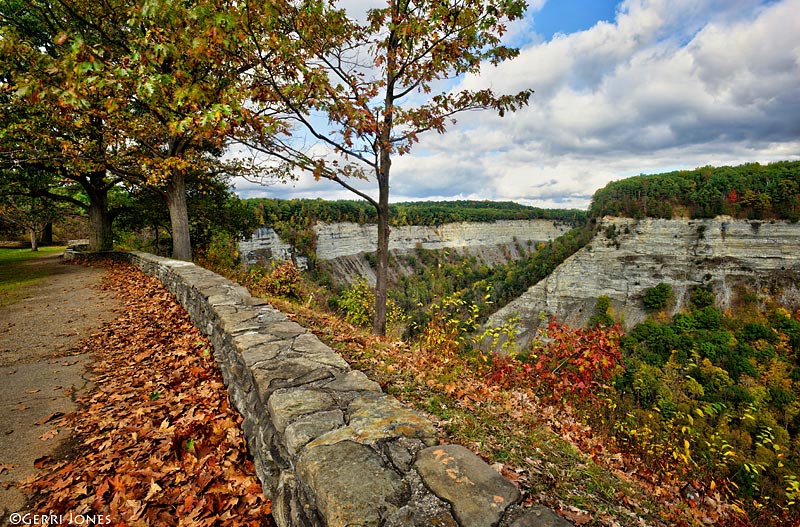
[[331, 449], [39, 374]]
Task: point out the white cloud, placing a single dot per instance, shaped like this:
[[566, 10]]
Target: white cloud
[[667, 85]]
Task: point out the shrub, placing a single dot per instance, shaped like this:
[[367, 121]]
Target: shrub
[[601, 316], [702, 297], [576, 364], [357, 303], [221, 255], [708, 318], [281, 280], [658, 297]]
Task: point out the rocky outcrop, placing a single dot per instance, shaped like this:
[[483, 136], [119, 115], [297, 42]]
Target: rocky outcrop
[[629, 256], [345, 239], [346, 269], [331, 449], [341, 247], [265, 245]]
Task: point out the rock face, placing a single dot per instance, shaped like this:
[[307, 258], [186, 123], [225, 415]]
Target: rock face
[[265, 245], [340, 247], [346, 239], [331, 449], [629, 256]]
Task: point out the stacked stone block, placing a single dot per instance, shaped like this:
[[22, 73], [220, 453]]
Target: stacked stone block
[[331, 449]]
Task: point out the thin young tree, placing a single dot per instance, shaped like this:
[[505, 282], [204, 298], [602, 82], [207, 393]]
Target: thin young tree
[[362, 85]]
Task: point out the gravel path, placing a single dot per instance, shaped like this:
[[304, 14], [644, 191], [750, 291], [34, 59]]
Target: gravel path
[[40, 375]]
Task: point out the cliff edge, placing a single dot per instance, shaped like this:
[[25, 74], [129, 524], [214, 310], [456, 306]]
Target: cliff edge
[[628, 256]]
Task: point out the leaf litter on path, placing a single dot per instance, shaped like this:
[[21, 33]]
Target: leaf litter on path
[[156, 441]]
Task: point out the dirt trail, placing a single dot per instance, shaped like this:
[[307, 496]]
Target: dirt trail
[[40, 375]]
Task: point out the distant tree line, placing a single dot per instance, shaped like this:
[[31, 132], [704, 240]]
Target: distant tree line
[[751, 190], [272, 211]]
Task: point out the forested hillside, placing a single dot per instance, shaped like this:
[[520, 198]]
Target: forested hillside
[[705, 399], [747, 191], [274, 212], [715, 396]]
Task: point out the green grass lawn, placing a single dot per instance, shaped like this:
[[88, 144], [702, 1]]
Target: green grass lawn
[[15, 276]]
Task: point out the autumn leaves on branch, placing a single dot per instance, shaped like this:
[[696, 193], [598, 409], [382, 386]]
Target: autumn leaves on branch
[[154, 94]]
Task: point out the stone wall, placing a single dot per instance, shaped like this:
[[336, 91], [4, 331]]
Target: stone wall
[[331, 449]]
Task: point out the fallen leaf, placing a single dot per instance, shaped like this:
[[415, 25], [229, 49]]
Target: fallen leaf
[[35, 390], [155, 488], [49, 434], [576, 517], [49, 418], [41, 461], [6, 466], [133, 460]]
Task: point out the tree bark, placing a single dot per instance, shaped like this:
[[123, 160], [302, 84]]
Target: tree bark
[[179, 217], [34, 241], [382, 269], [97, 187], [101, 236], [47, 234]]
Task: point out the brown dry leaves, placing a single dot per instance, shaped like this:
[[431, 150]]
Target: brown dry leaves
[[157, 442]]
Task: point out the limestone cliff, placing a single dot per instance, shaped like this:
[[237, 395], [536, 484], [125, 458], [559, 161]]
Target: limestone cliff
[[629, 256], [340, 247], [266, 245], [346, 239]]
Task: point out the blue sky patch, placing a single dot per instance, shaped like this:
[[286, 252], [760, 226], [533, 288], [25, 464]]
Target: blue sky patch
[[571, 16]]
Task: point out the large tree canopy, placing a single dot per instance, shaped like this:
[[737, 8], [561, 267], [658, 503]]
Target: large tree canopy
[[47, 143], [175, 94], [148, 88]]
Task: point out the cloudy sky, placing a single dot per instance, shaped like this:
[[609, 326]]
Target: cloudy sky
[[621, 88]]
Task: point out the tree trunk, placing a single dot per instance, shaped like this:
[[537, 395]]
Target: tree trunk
[[384, 168], [34, 241], [101, 235], [47, 234], [382, 269], [179, 217]]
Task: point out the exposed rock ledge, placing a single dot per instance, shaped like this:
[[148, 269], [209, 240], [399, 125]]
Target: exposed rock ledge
[[340, 247], [345, 239], [331, 449], [721, 253]]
